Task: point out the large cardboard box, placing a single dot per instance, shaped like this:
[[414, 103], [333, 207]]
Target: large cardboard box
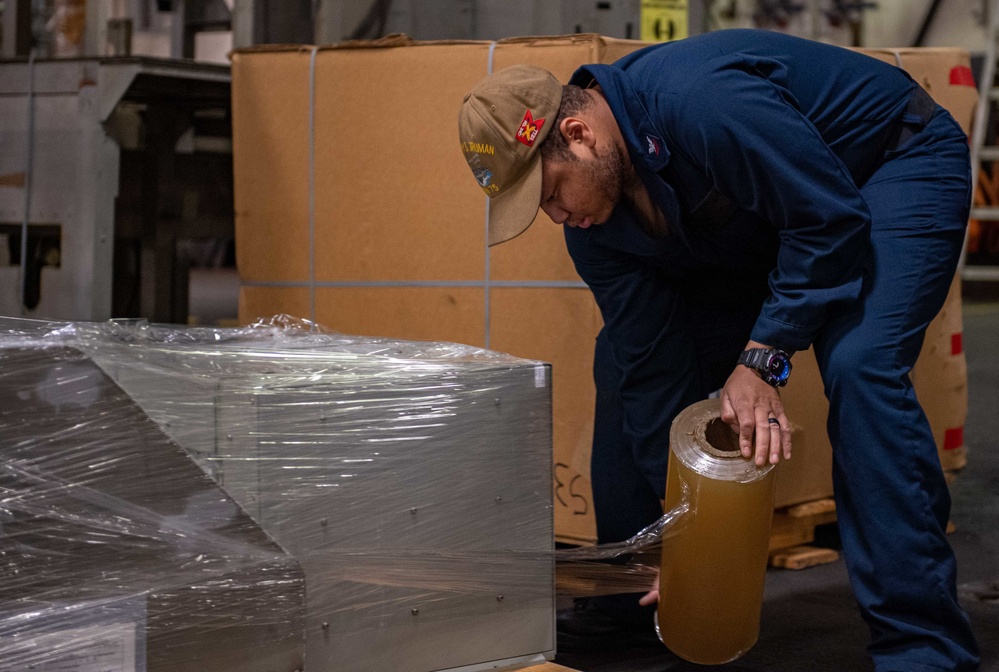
[[354, 208]]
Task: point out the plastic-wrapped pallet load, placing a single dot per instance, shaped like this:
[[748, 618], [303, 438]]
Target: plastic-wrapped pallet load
[[361, 504]]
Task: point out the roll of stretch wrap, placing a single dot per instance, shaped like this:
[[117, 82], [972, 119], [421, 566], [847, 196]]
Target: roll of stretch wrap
[[713, 568]]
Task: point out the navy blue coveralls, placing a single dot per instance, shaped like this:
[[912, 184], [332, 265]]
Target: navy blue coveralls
[[813, 197]]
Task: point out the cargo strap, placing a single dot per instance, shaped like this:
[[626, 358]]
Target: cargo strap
[[312, 186]]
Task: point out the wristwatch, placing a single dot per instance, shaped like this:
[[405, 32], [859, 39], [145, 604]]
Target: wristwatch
[[773, 364]]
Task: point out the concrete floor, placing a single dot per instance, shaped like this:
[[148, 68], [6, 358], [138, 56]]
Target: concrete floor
[[810, 621]]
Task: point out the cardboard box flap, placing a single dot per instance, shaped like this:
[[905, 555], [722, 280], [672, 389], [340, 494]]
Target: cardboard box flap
[[572, 38], [392, 41], [269, 49], [396, 40]]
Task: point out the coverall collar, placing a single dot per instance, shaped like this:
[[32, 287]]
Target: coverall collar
[[641, 135]]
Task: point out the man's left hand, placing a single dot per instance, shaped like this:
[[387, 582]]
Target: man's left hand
[[752, 407], [651, 597]]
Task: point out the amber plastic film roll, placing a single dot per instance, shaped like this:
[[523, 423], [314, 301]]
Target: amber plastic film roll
[[713, 569]]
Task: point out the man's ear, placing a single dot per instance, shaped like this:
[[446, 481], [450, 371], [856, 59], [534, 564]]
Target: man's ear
[[574, 129]]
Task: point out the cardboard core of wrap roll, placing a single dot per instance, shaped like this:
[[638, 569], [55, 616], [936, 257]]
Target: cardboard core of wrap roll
[[713, 568]]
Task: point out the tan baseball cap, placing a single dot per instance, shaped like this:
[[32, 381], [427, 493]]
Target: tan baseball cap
[[501, 126]]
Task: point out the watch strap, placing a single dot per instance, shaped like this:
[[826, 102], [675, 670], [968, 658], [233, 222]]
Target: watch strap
[[759, 359]]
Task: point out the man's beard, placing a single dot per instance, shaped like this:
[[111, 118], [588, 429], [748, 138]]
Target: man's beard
[[608, 174], [614, 179]]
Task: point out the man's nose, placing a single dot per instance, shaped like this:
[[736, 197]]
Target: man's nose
[[557, 214]]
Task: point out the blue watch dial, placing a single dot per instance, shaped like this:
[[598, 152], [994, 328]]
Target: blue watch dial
[[779, 367]]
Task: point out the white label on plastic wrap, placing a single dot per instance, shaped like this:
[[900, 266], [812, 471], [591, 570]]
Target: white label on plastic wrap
[[96, 648], [539, 376]]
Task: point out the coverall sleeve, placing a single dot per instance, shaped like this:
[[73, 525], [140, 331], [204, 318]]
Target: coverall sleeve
[[743, 126], [642, 314]]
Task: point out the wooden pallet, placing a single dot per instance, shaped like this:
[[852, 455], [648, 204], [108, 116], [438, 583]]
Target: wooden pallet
[[793, 530], [802, 557]]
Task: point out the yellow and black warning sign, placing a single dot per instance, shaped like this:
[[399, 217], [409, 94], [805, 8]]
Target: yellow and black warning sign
[[664, 20]]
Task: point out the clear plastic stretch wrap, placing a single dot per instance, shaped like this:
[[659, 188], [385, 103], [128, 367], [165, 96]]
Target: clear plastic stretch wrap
[[276, 498], [713, 570], [269, 499]]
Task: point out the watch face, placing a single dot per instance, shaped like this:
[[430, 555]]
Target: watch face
[[779, 367]]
